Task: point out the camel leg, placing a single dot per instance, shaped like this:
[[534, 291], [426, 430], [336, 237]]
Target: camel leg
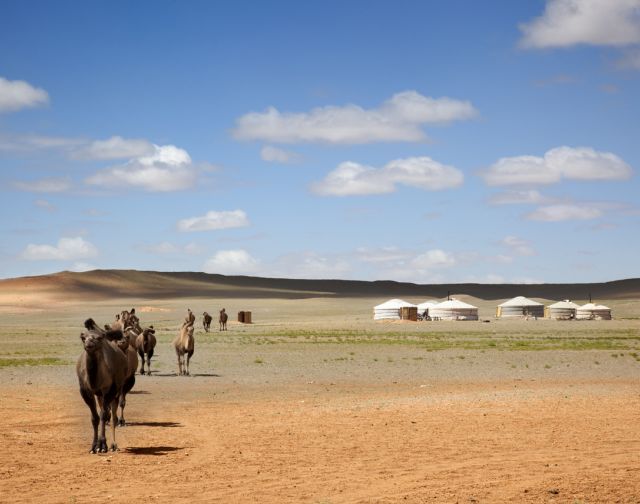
[[141, 354], [179, 363], [189, 354], [114, 410], [89, 398], [110, 408], [149, 355], [123, 397], [104, 418]]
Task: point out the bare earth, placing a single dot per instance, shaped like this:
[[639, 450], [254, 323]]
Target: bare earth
[[275, 413]]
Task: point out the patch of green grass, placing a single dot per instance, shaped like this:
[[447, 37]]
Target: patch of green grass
[[42, 361], [258, 360]]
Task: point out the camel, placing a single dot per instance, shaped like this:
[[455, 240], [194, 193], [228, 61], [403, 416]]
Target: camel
[[184, 345], [190, 319], [101, 370], [206, 321], [145, 344], [223, 320], [128, 348]]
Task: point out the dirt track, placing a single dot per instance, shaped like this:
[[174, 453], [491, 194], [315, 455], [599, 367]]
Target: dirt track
[[534, 441]]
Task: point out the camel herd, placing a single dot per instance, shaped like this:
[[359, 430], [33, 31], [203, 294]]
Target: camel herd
[[107, 366]]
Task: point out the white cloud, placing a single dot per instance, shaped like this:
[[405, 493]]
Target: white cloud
[[169, 168], [566, 23], [16, 95], [46, 185], [275, 155], [67, 249], [433, 259], [213, 220], [115, 147], [517, 198], [351, 178], [557, 213], [580, 163], [399, 119], [518, 246], [231, 262]]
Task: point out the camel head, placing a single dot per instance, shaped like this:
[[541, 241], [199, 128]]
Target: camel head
[[91, 340]]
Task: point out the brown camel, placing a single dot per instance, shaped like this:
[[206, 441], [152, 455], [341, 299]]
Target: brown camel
[[129, 349], [206, 321], [223, 320], [101, 370], [184, 345], [190, 319], [145, 345]]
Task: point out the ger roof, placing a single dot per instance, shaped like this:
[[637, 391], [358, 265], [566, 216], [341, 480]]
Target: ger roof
[[393, 304], [565, 304], [454, 303], [520, 301]]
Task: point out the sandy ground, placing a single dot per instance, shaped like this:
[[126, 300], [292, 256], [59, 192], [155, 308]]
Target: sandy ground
[[268, 418]]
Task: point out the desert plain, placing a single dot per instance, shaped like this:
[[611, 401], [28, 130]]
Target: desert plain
[[315, 402]]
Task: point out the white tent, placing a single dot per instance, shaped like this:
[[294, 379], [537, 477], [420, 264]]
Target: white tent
[[454, 309], [562, 310], [426, 307], [390, 310], [520, 307], [592, 311]]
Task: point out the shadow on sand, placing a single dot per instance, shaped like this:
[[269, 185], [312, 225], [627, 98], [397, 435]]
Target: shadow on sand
[[151, 450], [139, 392], [154, 424]]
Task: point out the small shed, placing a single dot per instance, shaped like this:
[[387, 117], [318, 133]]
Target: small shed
[[390, 310], [562, 310], [244, 317], [520, 307], [592, 311], [454, 309]]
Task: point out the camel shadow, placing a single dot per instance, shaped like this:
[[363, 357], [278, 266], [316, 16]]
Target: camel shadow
[[139, 392], [154, 424], [151, 450]]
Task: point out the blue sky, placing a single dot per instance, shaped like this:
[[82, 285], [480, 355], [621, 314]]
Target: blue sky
[[433, 142]]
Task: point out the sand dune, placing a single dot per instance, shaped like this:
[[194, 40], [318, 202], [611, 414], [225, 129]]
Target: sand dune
[[105, 284]]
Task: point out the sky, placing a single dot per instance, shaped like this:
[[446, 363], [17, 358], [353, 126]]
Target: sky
[[421, 141]]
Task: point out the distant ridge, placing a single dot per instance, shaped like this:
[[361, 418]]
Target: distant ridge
[[104, 284]]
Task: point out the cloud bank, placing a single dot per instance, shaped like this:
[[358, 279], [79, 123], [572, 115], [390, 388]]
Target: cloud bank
[[17, 95], [566, 23], [67, 249], [350, 178], [231, 262], [582, 163], [399, 119], [168, 168], [213, 220]]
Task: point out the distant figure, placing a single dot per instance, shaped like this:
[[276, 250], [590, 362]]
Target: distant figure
[[190, 319], [223, 320], [425, 315], [206, 321]]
